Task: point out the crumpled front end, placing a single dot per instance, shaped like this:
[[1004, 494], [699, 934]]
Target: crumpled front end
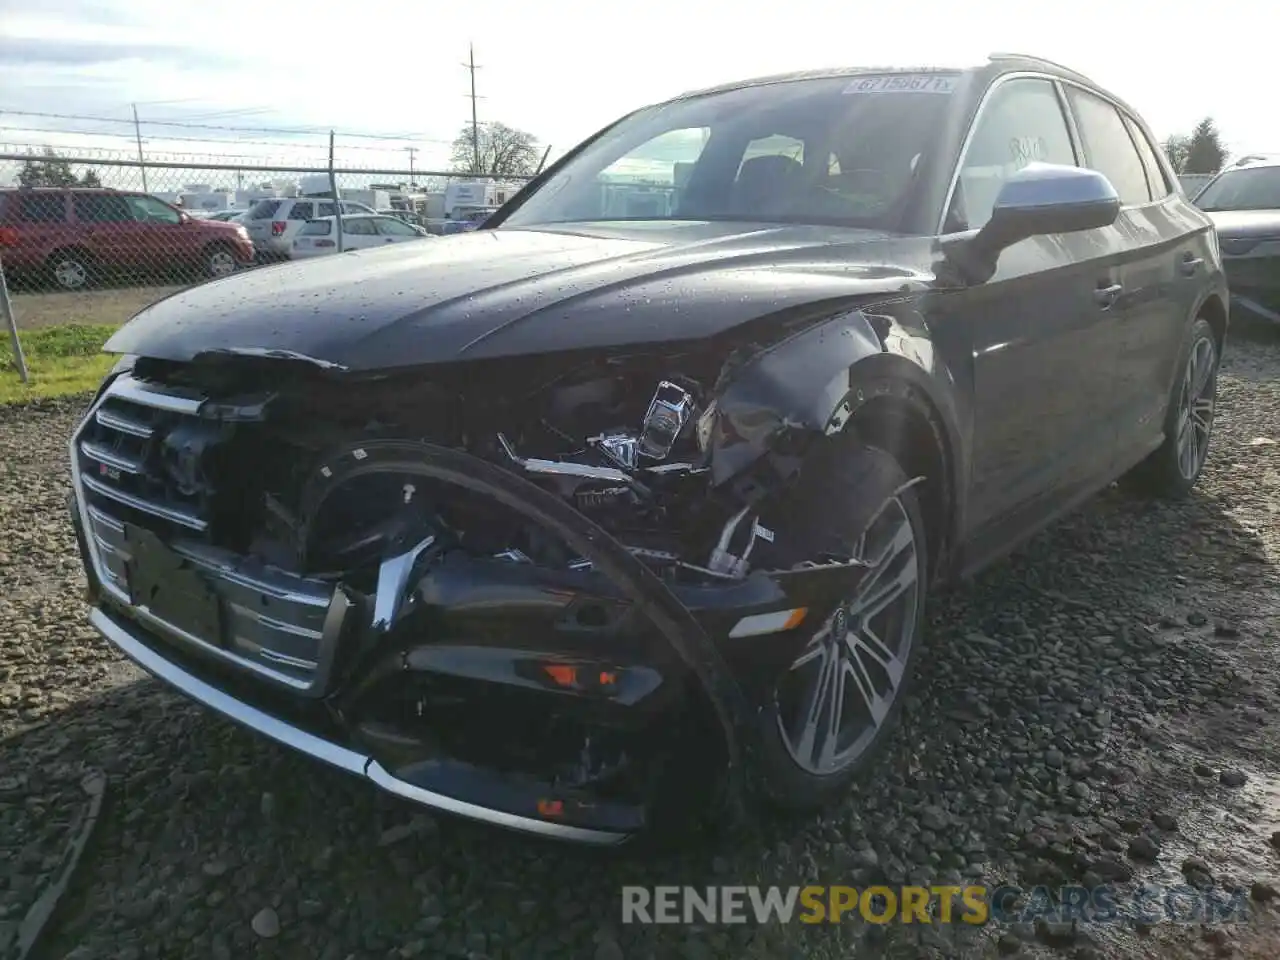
[[480, 606]]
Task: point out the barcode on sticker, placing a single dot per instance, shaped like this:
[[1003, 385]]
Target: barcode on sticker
[[903, 83]]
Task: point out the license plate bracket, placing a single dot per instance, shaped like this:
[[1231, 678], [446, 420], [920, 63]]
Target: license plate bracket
[[168, 585]]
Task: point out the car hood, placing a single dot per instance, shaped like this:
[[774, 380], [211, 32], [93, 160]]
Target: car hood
[[509, 292], [1244, 224]]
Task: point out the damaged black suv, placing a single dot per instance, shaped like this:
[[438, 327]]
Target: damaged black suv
[[624, 506]]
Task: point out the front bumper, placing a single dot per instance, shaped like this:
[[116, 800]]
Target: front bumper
[[314, 665]]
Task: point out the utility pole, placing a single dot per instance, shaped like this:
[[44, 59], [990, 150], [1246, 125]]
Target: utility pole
[[475, 124], [137, 134], [412, 151]]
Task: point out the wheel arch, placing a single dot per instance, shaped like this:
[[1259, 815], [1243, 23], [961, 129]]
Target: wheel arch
[[872, 371], [1214, 310]]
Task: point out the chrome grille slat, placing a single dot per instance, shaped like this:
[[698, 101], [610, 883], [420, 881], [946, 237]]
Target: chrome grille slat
[[113, 421], [110, 458], [146, 506]]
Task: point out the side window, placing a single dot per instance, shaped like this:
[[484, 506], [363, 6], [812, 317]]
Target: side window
[[1108, 148], [101, 208], [151, 210], [1155, 173], [326, 210], [394, 228], [359, 227], [1022, 122], [42, 208], [301, 211]]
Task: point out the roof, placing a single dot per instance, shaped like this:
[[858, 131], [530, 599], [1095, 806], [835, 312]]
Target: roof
[[1014, 60]]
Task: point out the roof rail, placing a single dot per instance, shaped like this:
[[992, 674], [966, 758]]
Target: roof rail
[[1035, 59]]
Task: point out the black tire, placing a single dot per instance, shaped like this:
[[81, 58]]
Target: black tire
[[1164, 473], [71, 269], [837, 497], [219, 261]]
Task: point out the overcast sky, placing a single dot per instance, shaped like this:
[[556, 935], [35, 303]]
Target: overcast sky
[[561, 69]]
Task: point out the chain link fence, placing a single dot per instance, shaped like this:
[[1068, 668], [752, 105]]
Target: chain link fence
[[107, 221]]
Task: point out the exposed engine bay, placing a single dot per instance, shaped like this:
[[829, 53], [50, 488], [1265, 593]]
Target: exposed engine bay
[[626, 447]]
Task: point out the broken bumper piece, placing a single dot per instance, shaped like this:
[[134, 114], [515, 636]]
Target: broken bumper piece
[[565, 703]]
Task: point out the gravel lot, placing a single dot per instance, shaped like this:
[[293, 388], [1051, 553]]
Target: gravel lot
[[1102, 706]]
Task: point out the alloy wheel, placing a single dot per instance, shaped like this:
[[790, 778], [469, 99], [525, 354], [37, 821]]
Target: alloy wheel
[[835, 697], [1195, 408], [70, 274], [221, 263]]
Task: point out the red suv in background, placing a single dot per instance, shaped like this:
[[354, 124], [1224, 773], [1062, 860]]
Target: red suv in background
[[75, 236]]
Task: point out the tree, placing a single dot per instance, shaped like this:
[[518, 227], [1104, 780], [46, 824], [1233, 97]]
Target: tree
[[54, 171], [503, 151], [1205, 152], [1176, 149]]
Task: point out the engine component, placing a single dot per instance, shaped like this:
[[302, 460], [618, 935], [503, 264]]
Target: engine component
[[621, 448], [723, 560], [669, 411]]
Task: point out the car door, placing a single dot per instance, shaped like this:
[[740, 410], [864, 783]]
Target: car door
[[162, 241], [1157, 271], [112, 233], [394, 231], [1035, 332], [359, 233]]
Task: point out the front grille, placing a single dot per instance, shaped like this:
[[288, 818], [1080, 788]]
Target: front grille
[[151, 538]]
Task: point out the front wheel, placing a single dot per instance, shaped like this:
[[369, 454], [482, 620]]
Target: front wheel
[[1173, 469], [219, 261], [836, 705]]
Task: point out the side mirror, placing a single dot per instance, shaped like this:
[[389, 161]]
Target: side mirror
[[1039, 199], [1046, 198]]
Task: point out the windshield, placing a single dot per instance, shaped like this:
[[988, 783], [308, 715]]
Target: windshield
[[1255, 189], [831, 151]]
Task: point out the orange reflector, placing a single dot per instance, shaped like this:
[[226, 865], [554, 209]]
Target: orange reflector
[[551, 808], [562, 673], [608, 679], [797, 615]]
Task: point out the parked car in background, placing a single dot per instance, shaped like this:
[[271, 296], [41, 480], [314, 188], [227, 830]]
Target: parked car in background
[[319, 237], [1244, 203], [76, 236], [467, 220], [227, 216], [579, 525], [274, 222]]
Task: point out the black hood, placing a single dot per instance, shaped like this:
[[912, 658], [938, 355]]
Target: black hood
[[509, 292], [1246, 224]]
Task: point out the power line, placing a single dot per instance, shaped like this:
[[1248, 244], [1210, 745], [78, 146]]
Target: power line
[[294, 131], [238, 141]]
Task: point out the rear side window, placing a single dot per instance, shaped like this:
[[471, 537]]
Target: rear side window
[[359, 226], [41, 208], [101, 208], [316, 228], [1155, 173], [263, 210], [327, 210], [302, 211], [1108, 148]]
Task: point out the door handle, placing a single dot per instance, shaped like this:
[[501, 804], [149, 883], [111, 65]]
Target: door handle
[[1107, 296], [1191, 265]]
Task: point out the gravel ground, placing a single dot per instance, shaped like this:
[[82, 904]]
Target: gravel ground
[[1102, 706]]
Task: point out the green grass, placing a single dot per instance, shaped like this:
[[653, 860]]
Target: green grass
[[61, 360]]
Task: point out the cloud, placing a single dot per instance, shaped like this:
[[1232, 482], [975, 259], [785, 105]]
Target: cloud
[[75, 54]]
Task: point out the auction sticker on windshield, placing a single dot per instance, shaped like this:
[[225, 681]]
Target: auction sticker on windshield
[[904, 83]]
